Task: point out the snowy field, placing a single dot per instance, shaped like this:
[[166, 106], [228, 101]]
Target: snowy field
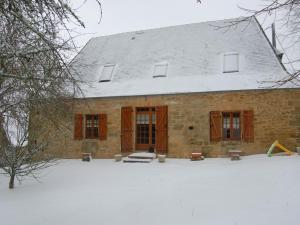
[[255, 190]]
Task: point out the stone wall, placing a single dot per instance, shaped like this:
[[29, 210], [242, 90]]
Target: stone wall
[[276, 117]]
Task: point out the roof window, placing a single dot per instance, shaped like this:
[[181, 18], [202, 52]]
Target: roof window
[[231, 62], [107, 72], [160, 70]]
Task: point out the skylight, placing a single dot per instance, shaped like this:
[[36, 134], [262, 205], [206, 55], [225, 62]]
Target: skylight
[[231, 63], [160, 70], [107, 73]]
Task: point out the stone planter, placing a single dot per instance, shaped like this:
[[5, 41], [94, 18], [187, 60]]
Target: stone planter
[[161, 158], [118, 157], [86, 156]]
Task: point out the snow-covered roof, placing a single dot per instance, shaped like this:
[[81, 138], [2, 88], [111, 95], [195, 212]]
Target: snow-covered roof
[[194, 54]]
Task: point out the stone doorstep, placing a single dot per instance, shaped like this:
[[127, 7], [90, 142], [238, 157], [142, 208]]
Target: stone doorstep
[[142, 155], [135, 160]]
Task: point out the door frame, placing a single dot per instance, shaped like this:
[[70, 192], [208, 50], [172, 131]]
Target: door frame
[[150, 111]]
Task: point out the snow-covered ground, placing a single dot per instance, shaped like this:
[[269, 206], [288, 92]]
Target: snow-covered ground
[[255, 190]]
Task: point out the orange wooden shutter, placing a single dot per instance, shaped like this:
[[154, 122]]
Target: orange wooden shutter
[[126, 129], [161, 129], [102, 126], [78, 127], [215, 126], [248, 130]]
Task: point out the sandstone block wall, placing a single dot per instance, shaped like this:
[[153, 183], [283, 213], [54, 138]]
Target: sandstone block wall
[[276, 117]]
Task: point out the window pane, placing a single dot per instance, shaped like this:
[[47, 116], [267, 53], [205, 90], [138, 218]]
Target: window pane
[[236, 125], [153, 133], [96, 121], [160, 70], [143, 134], [226, 125], [153, 118], [138, 118], [88, 132], [96, 132], [107, 72], [146, 118], [236, 120], [231, 63]]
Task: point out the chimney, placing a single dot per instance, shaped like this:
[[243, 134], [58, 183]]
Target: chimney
[[273, 36], [279, 54]]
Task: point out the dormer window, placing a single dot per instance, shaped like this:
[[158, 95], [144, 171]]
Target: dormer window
[[231, 62], [160, 70], [107, 72]]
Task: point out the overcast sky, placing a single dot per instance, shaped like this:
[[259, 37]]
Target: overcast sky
[[130, 15]]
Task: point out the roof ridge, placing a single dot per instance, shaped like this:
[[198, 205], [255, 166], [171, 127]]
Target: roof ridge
[[167, 27]]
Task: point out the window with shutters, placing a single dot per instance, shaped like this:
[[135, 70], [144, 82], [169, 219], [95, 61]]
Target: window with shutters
[[231, 126], [91, 126]]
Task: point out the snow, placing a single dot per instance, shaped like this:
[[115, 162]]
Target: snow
[[255, 190], [194, 54], [143, 155], [176, 85], [136, 160]]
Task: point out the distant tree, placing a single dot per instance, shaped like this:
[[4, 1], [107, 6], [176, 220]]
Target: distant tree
[[35, 45]]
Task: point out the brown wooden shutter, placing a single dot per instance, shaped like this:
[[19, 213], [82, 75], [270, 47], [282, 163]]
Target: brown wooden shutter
[[161, 129], [126, 129], [102, 126], [215, 126], [78, 127], [248, 130]]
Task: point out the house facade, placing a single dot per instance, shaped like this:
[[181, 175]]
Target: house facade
[[181, 89]]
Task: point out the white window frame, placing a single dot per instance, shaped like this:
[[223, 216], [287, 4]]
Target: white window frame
[[111, 75], [238, 62], [160, 75]]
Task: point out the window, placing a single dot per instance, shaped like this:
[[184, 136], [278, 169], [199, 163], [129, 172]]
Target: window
[[107, 73], [231, 126], [160, 70], [231, 63], [91, 126]]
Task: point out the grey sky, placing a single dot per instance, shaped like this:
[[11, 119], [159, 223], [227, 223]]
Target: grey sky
[[129, 15]]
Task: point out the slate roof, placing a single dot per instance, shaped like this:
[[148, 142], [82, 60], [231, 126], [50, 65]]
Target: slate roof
[[193, 52]]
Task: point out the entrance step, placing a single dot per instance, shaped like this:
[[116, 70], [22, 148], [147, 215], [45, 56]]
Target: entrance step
[[135, 160], [142, 155]]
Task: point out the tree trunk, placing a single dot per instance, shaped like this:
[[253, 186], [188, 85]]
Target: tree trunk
[[12, 181]]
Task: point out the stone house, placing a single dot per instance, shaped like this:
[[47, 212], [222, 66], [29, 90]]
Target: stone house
[[179, 90]]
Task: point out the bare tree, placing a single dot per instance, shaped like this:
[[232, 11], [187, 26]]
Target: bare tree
[[35, 45], [287, 14], [20, 158]]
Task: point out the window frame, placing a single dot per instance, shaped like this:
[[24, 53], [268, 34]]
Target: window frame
[[238, 62], [92, 135], [111, 75], [151, 137], [232, 138], [160, 75]]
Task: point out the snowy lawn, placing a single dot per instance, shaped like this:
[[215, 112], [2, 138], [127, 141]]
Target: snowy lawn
[[255, 190]]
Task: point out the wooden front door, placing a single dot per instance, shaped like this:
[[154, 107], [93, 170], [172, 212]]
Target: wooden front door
[[145, 128]]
